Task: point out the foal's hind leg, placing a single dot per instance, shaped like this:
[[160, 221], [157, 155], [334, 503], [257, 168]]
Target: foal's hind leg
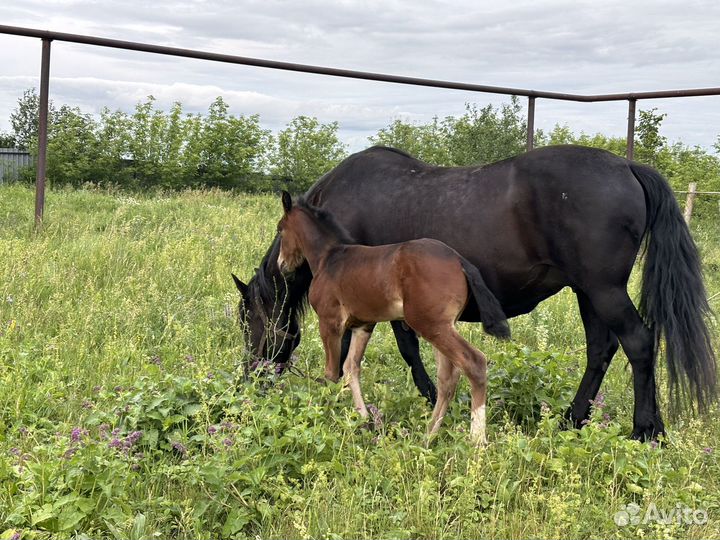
[[473, 363], [447, 379], [360, 338], [602, 344]]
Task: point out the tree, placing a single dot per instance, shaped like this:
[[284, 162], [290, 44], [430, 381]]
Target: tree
[[7, 140], [649, 144], [72, 155], [231, 147], [305, 150], [486, 135], [24, 119], [424, 141], [480, 136]]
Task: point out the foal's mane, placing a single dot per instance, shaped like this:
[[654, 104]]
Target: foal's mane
[[326, 221]]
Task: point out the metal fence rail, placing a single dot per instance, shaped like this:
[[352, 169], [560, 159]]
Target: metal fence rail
[[47, 37], [11, 161]]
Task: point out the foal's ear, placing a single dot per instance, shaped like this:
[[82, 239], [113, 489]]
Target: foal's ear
[[240, 285], [287, 201]]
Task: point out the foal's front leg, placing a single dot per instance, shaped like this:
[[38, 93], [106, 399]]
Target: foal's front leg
[[360, 338], [331, 334]]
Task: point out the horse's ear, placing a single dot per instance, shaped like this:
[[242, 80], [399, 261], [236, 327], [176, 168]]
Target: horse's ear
[[287, 201], [240, 285]]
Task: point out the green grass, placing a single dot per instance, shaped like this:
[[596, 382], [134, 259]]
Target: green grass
[[119, 317]]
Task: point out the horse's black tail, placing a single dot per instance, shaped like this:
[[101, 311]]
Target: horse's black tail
[[673, 300], [491, 313]]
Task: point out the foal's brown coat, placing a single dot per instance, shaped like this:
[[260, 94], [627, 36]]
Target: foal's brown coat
[[424, 282]]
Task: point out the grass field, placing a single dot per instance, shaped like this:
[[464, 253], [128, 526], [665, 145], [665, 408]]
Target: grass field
[[123, 413]]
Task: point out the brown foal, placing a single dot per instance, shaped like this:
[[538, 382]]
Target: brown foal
[[423, 282]]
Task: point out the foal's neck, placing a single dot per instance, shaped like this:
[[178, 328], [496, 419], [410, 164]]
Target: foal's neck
[[317, 243]]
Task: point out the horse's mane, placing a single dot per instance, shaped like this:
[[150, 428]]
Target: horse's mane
[[273, 288], [326, 220]]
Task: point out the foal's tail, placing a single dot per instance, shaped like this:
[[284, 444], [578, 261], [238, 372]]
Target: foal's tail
[[491, 313], [673, 300]]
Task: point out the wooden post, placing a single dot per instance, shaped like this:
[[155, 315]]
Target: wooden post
[[690, 201]]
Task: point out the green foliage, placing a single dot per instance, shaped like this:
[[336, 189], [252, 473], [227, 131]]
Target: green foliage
[[7, 140], [478, 137], [428, 142], [649, 144], [305, 151], [124, 412], [25, 118]]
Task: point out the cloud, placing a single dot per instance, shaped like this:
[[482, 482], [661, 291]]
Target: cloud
[[561, 45]]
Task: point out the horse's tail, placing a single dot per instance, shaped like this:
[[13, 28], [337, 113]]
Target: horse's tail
[[491, 313], [673, 300]]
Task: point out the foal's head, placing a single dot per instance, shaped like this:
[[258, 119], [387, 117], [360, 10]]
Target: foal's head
[[291, 255], [304, 227]]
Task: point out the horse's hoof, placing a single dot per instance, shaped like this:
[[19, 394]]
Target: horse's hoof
[[648, 432]]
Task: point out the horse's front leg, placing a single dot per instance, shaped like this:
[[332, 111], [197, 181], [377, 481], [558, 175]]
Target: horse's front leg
[[331, 334]]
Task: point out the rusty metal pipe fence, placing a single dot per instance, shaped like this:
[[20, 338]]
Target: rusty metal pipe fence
[[48, 36]]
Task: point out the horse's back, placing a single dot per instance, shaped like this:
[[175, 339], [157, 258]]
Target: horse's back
[[532, 224]]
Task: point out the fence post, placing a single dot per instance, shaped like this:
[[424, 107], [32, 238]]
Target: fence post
[[631, 129], [690, 201], [531, 123], [42, 132]]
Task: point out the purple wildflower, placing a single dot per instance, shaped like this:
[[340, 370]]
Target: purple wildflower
[[227, 425], [134, 437], [77, 433], [708, 450], [211, 375], [70, 452], [376, 416], [585, 422], [103, 430], [156, 360], [15, 451], [118, 389], [87, 404], [96, 389], [16, 536], [599, 401], [179, 448], [115, 432], [228, 442], [115, 443], [189, 358], [23, 431], [212, 430], [653, 444]]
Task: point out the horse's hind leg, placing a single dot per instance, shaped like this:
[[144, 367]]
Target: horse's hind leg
[[409, 347], [447, 379], [618, 312], [360, 338], [602, 344]]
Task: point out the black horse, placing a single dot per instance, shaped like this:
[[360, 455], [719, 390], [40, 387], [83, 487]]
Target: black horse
[[553, 217]]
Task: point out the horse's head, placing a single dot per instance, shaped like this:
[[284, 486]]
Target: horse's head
[[270, 327]]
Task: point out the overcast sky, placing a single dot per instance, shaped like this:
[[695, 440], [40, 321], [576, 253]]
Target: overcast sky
[[561, 45]]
